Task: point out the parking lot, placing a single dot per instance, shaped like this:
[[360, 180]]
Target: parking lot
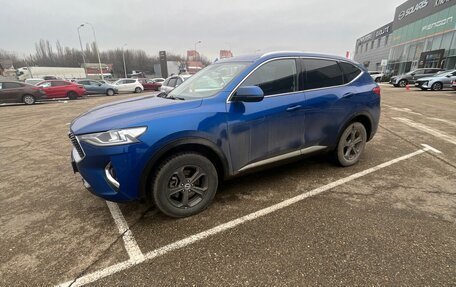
[[390, 220]]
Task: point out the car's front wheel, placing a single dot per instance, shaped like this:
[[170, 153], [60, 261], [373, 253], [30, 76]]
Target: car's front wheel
[[110, 92], [184, 184], [351, 144], [28, 99], [72, 95], [138, 90], [437, 86], [403, 83]]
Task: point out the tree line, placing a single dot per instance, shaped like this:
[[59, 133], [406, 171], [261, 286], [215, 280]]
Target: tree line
[[49, 55]]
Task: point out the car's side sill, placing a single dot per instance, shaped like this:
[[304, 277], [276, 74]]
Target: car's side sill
[[284, 156]]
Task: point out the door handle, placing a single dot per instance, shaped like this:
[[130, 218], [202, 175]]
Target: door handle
[[293, 108], [348, 95]]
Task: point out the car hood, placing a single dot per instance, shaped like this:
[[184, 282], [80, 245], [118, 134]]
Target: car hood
[[127, 113]]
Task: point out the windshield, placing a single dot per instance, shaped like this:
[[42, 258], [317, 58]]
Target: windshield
[[208, 81]]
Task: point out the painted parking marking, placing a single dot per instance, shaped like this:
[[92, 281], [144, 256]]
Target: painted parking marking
[[97, 275], [429, 130], [444, 121], [130, 243]]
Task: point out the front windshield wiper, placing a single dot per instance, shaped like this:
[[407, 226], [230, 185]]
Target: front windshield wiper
[[175, 98]]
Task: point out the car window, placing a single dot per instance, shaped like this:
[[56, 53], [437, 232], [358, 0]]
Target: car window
[[11, 86], [45, 84], [322, 74], [59, 83], [275, 77], [172, 82], [179, 81], [419, 72], [94, 83], [120, 82], [165, 83], [351, 72], [84, 82], [130, 81], [430, 71]]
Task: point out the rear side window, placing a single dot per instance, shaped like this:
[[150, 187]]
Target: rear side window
[[322, 74], [351, 72], [11, 85], [276, 77], [130, 81], [172, 82]]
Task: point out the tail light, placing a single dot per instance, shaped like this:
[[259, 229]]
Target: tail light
[[377, 91]]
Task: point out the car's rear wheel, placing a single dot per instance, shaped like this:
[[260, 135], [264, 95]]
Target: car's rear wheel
[[72, 95], [138, 90], [351, 144], [110, 92], [437, 86], [403, 83], [28, 99], [184, 185], [377, 80]]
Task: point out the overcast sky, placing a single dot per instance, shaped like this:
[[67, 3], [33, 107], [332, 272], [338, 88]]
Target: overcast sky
[[245, 26]]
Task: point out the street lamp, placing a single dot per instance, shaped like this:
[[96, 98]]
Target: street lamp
[[82, 49], [96, 47], [123, 57], [199, 42]]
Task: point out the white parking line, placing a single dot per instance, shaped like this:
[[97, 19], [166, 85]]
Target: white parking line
[[97, 275], [428, 130], [129, 240], [444, 121]]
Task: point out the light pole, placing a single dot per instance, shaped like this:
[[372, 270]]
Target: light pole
[[123, 57], [199, 42], [96, 47], [82, 49]]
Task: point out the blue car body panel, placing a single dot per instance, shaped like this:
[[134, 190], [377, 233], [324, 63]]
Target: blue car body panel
[[242, 133]]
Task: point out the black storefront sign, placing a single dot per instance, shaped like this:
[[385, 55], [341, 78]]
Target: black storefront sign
[[414, 10], [380, 32], [163, 64]]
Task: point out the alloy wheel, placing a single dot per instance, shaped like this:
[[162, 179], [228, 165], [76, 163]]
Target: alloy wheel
[[187, 186], [29, 100], [353, 144]]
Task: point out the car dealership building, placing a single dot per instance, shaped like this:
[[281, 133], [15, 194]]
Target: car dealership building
[[422, 35]]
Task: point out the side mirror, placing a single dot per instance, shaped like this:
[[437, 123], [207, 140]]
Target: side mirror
[[248, 94], [99, 84], [412, 74], [449, 76]]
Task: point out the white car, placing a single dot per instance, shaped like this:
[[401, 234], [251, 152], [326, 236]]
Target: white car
[[129, 85], [376, 76], [33, 81], [172, 82]]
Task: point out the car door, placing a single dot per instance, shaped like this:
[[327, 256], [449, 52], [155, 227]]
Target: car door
[[48, 89], [87, 86], [59, 89], [96, 87], [10, 92], [418, 74], [121, 85], [260, 132], [327, 100], [449, 79]]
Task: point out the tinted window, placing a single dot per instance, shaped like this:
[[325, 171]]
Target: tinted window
[[172, 82], [351, 72], [322, 73], [83, 82], [45, 84], [419, 72], [431, 71], [179, 81], [276, 77], [165, 83], [11, 85], [130, 81], [59, 83]]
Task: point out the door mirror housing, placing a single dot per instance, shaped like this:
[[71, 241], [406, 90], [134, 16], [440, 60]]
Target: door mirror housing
[[248, 94], [412, 74], [449, 76]]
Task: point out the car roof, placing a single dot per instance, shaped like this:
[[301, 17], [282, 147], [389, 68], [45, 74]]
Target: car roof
[[280, 54]]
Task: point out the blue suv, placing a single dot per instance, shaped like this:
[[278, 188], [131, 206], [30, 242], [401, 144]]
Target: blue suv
[[232, 117]]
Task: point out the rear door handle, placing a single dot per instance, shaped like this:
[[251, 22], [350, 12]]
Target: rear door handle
[[294, 108], [348, 95]]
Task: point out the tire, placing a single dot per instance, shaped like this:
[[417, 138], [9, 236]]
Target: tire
[[110, 92], [184, 185], [72, 95], [377, 80], [351, 144], [138, 90], [403, 83], [28, 99], [437, 86]]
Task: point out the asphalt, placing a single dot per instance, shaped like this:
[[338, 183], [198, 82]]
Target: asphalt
[[393, 226]]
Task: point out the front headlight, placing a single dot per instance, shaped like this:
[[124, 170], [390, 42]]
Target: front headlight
[[114, 137]]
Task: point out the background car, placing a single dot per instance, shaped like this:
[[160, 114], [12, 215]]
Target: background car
[[376, 76], [17, 92], [438, 82], [33, 81], [62, 89], [172, 82], [129, 85], [152, 84], [95, 87], [412, 76]]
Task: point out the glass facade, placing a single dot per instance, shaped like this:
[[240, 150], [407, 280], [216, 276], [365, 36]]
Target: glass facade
[[427, 43]]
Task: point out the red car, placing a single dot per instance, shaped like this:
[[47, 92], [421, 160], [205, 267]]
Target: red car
[[152, 84], [62, 89]]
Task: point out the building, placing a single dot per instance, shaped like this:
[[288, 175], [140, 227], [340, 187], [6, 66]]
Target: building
[[374, 48], [422, 36], [225, 54]]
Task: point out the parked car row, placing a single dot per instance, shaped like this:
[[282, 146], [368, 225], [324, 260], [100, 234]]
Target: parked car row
[[414, 76]]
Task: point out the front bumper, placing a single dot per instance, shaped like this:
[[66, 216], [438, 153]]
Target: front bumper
[[112, 173], [423, 85]]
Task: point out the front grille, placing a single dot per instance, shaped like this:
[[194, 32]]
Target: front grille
[[76, 145]]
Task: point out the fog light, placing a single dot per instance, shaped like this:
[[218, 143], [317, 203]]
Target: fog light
[[111, 175]]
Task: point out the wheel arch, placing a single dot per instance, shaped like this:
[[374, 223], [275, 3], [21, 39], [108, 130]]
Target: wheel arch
[[193, 144], [365, 119]]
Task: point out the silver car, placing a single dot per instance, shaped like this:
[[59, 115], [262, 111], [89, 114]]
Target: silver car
[[412, 76], [172, 82], [437, 82]]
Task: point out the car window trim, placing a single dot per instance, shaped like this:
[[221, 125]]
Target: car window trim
[[228, 100]]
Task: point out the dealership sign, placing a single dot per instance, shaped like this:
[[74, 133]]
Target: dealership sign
[[383, 31], [414, 10], [437, 24]]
